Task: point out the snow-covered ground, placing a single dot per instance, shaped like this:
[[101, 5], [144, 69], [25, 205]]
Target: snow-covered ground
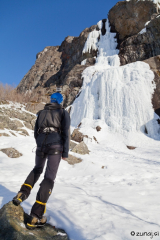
[[114, 191]]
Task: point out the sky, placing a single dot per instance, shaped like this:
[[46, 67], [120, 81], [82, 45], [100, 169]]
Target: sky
[[28, 26]]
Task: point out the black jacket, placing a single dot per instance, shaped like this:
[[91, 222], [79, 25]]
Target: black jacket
[[53, 115]]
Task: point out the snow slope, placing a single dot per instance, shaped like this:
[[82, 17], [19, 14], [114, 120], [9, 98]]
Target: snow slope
[[114, 191]]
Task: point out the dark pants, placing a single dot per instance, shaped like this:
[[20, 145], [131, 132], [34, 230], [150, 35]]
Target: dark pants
[[47, 184]]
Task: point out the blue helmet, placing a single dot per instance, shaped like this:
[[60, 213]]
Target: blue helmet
[[56, 98]]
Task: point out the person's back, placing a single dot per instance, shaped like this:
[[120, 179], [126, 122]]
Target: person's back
[[52, 137]]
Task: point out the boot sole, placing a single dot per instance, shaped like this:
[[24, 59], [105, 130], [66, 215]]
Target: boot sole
[[32, 227], [16, 202]]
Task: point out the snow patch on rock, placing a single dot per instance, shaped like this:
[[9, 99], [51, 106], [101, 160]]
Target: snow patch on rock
[[92, 41]]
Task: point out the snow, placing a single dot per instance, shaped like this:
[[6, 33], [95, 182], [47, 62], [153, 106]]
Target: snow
[[147, 23], [114, 191], [88, 201], [92, 41], [22, 225], [143, 31], [84, 62], [61, 234]]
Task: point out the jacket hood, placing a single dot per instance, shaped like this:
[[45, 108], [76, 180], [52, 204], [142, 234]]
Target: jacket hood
[[50, 106]]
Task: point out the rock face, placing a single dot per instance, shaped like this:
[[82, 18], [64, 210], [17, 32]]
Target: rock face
[[154, 64], [12, 226], [129, 18], [60, 65], [141, 46], [11, 152], [15, 119]]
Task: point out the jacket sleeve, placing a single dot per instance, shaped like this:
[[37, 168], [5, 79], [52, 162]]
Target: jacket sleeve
[[65, 133], [36, 129], [36, 126]]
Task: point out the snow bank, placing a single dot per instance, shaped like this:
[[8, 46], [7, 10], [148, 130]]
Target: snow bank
[[119, 96]]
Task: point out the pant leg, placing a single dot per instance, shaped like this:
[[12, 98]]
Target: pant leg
[[34, 175], [47, 184], [53, 163]]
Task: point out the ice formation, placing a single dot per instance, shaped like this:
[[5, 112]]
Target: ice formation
[[84, 62], [92, 41], [119, 96]]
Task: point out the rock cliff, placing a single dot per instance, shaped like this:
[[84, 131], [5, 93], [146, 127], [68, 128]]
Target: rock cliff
[[60, 65], [137, 26]]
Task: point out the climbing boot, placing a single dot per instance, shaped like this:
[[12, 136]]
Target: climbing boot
[[33, 222], [20, 197]]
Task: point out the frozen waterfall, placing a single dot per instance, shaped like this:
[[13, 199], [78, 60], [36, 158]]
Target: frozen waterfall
[[118, 95]]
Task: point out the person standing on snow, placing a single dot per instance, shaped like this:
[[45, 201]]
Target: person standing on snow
[[52, 137]]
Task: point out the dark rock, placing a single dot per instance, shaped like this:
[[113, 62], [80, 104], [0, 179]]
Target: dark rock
[[73, 160], [131, 148], [81, 148], [157, 111], [103, 30], [12, 226], [142, 46], [98, 128], [154, 64], [79, 125], [95, 139], [77, 136], [128, 18], [11, 152]]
